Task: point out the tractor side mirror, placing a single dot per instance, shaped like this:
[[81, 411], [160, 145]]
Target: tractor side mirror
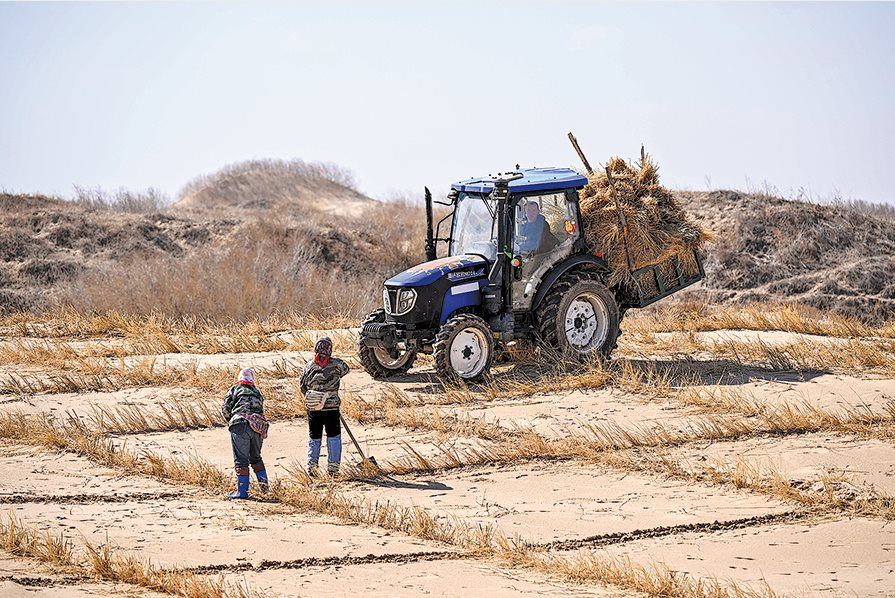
[[451, 199]]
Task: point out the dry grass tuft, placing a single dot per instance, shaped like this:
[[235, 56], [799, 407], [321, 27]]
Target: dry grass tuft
[[177, 414], [105, 564], [392, 407], [642, 377], [21, 540]]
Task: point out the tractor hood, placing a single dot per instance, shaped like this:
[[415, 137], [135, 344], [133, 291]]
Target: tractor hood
[[456, 268]]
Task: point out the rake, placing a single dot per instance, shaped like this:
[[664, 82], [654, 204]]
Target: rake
[[371, 458]]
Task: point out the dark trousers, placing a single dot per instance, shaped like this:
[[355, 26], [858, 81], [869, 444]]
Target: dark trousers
[[318, 420]]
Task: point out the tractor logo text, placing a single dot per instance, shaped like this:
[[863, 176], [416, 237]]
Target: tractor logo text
[[465, 274]]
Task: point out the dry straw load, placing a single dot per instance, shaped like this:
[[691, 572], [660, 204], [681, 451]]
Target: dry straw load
[[658, 230]]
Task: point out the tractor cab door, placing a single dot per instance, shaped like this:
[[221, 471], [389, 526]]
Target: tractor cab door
[[545, 229]]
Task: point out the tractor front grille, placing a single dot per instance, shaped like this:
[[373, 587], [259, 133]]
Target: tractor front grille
[[378, 329]]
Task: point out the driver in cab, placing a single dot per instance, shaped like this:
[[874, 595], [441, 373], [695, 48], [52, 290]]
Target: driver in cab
[[532, 229]]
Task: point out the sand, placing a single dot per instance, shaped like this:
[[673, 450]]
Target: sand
[[846, 557], [546, 502], [701, 529]]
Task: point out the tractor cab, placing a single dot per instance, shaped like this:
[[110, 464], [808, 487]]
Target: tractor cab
[[542, 228]]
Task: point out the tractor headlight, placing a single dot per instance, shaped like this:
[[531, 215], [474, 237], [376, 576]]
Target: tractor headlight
[[404, 301], [385, 302]]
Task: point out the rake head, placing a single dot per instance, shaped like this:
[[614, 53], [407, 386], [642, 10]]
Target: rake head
[[369, 466]]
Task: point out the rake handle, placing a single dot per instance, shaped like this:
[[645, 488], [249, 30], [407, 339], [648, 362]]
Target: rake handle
[[351, 436]]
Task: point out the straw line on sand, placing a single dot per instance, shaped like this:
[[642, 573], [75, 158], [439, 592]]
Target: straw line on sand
[[743, 417], [481, 540], [106, 564], [695, 316], [74, 324], [93, 374]]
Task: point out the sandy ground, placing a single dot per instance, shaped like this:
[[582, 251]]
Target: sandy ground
[[864, 464], [544, 502], [845, 557], [445, 578], [39, 472], [558, 415], [210, 531], [702, 529]]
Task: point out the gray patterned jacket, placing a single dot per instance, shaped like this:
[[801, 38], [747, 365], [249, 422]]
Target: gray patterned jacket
[[323, 383], [241, 398]]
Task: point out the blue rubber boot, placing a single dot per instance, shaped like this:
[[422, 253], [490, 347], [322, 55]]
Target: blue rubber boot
[[263, 484], [313, 455], [242, 487], [333, 453]]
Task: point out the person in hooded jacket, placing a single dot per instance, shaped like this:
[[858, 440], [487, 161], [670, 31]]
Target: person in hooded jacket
[[243, 409], [320, 381]]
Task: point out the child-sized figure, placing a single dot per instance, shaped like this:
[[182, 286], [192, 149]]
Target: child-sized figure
[[320, 380], [243, 400]]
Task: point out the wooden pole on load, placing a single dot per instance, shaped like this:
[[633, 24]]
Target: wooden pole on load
[[580, 153], [621, 218], [618, 206]]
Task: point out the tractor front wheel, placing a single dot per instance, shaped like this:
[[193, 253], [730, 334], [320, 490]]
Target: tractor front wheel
[[464, 349], [377, 361]]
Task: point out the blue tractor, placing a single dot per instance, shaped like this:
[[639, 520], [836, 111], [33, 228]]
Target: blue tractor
[[517, 267]]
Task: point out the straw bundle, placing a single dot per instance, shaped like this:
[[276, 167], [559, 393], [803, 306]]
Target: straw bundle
[[658, 229]]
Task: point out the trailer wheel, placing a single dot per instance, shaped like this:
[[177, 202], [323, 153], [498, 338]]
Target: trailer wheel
[[464, 349], [579, 316], [376, 360]]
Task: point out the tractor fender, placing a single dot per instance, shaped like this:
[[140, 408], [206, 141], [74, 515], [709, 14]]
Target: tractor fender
[[463, 295], [563, 267]]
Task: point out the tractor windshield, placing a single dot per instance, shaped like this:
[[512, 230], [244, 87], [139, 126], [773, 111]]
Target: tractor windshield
[[475, 228]]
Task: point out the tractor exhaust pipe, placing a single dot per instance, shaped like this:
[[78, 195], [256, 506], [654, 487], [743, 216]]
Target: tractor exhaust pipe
[[430, 235]]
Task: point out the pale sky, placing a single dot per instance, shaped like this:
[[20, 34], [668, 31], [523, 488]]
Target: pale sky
[[408, 94]]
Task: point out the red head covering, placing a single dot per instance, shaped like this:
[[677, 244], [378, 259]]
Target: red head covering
[[323, 350]]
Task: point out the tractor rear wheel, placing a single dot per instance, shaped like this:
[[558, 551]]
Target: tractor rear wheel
[[376, 360], [464, 349], [579, 317]]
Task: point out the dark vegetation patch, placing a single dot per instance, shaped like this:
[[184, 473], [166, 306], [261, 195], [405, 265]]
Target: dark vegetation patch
[[13, 301], [49, 271], [838, 257]]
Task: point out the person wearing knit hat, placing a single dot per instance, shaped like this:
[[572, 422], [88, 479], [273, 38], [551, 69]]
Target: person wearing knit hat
[[243, 409], [319, 382]]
